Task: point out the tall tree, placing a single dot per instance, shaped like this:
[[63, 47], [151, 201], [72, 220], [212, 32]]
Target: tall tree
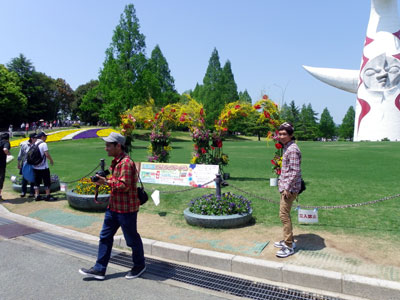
[[211, 94], [90, 106], [327, 127], [229, 91], [80, 92], [290, 113], [121, 79], [162, 90], [346, 129], [12, 100], [65, 98], [307, 128], [245, 97]]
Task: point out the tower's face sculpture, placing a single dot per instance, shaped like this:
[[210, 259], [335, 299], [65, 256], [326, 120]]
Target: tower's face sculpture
[[377, 83]]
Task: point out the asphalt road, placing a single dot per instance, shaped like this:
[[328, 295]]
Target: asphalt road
[[31, 271]]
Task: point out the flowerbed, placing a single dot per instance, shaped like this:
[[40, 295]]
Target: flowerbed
[[86, 186], [229, 204]]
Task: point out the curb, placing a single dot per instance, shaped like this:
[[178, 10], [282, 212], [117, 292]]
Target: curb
[[324, 280]]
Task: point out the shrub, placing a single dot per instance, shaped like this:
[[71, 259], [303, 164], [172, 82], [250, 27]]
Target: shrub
[[229, 204]]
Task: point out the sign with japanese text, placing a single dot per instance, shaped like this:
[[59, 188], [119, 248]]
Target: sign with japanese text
[[308, 216], [178, 174]]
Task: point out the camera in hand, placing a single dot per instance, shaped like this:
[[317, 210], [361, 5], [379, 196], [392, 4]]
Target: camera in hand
[[100, 173]]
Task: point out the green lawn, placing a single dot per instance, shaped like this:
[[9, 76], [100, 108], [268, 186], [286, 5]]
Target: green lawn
[[335, 172]]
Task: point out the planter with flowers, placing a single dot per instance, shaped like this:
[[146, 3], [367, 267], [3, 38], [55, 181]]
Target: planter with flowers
[[227, 211], [83, 196], [54, 186]]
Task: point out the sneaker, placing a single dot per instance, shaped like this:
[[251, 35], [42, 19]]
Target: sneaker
[[50, 198], [281, 244], [22, 195], [93, 273], [39, 198], [135, 272], [285, 252]]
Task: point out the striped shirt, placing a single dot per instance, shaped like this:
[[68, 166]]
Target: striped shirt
[[290, 178], [123, 196]]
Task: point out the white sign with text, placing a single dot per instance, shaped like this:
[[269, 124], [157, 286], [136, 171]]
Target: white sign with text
[[308, 216]]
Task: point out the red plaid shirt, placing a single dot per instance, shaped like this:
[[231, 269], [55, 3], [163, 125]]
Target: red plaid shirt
[[123, 197], [290, 178]]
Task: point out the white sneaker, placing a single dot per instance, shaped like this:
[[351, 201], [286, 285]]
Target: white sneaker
[[281, 244], [285, 252]]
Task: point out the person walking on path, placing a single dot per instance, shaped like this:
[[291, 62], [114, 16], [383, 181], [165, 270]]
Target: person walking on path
[[289, 187], [22, 156], [121, 212], [42, 171], [4, 151]]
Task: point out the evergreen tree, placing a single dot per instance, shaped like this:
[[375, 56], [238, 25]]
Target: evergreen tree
[[307, 128], [211, 90], [245, 97], [228, 85], [327, 127], [12, 100], [121, 80], [290, 113], [346, 129], [163, 89]]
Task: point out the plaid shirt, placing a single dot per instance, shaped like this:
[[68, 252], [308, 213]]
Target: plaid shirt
[[290, 178], [123, 197]]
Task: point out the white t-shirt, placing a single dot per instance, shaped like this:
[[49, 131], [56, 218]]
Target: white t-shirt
[[42, 147]]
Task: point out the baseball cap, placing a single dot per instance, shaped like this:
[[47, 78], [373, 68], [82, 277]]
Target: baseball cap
[[114, 137], [40, 134], [33, 136]]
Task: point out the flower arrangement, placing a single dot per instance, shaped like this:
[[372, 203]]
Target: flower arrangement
[[277, 160], [201, 139], [159, 147], [126, 127], [229, 204], [86, 186]]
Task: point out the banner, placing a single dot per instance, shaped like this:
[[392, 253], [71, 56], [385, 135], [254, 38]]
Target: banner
[[308, 216], [178, 174]]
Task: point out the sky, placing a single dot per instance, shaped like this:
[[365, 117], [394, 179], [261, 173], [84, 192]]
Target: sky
[[266, 41]]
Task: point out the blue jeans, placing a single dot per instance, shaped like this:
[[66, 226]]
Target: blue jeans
[[112, 221], [24, 186]]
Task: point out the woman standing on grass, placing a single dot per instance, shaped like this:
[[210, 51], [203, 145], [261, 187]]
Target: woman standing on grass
[[289, 187]]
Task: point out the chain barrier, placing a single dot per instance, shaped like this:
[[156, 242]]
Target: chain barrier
[[319, 207], [184, 190]]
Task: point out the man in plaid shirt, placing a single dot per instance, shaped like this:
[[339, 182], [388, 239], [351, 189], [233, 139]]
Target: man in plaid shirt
[[121, 211], [289, 187]]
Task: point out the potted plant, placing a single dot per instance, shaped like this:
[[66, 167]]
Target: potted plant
[[83, 196], [227, 211], [54, 186]]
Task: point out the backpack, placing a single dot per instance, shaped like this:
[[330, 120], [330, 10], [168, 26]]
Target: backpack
[[33, 156], [302, 187]]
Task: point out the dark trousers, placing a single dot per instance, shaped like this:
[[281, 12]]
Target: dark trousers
[[112, 221], [24, 186], [2, 176]]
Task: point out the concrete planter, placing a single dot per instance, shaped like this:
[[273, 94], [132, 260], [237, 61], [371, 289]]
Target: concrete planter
[[217, 221], [54, 187], [86, 202]]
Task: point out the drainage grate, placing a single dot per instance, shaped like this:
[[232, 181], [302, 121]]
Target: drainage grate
[[205, 279]]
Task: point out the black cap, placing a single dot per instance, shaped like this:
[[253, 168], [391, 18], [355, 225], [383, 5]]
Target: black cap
[[40, 134], [33, 136]]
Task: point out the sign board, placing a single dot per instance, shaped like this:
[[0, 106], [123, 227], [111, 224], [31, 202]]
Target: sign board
[[179, 174], [308, 216]]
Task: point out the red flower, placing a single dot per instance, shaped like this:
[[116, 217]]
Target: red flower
[[267, 115], [237, 106], [225, 129], [229, 113], [156, 117], [278, 171], [196, 147], [173, 110], [212, 147], [258, 106], [278, 146], [162, 109], [265, 97], [273, 162], [219, 143], [182, 118], [203, 151], [201, 112]]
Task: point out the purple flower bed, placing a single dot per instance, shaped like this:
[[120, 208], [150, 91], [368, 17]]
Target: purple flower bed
[[91, 133]]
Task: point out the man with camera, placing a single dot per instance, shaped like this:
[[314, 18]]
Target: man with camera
[[121, 212]]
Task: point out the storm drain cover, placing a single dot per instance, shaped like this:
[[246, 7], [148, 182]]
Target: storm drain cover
[[13, 230]]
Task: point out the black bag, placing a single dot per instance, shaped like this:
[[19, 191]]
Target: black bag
[[302, 187], [33, 156], [142, 195]]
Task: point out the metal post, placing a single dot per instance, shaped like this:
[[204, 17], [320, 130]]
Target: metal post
[[102, 164], [218, 181]]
